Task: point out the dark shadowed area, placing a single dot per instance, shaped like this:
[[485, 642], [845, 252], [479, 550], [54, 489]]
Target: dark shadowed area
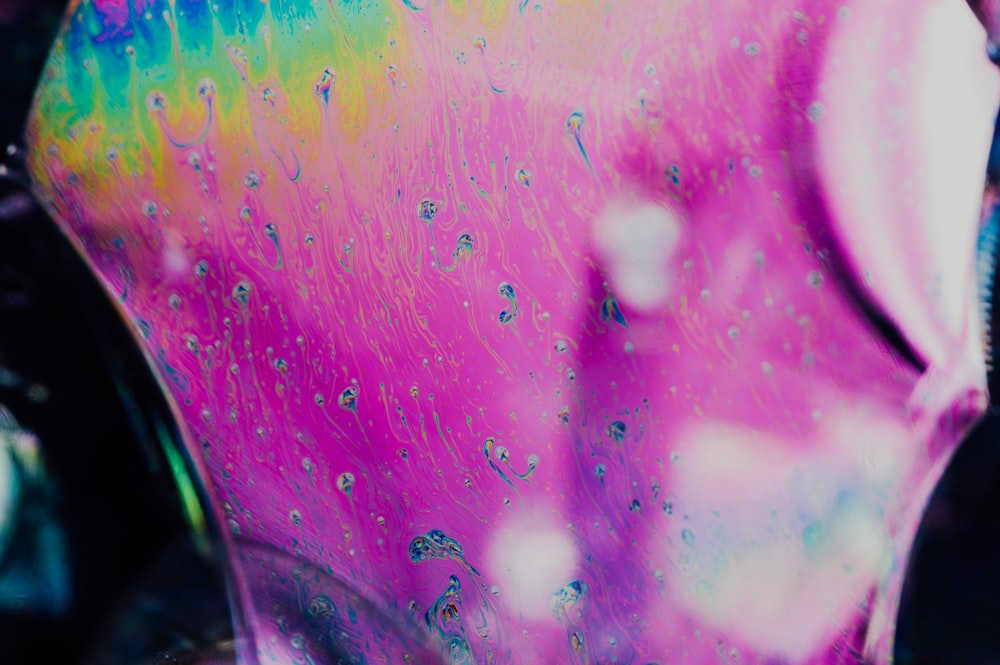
[[139, 590]]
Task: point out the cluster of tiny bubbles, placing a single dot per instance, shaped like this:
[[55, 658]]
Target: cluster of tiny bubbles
[[434, 545], [252, 180], [616, 431], [427, 210], [345, 482], [566, 597]]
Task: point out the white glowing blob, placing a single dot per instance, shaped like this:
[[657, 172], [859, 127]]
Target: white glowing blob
[[636, 241], [783, 531], [530, 561]]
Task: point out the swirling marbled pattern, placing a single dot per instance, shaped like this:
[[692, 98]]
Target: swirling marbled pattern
[[534, 325]]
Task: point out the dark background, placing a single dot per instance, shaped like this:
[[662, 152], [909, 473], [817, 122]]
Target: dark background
[[85, 390], [71, 373]]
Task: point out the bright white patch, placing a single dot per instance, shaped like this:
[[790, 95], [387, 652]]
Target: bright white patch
[[884, 450], [956, 111], [901, 150], [636, 241], [785, 584], [530, 562], [784, 531], [175, 260]]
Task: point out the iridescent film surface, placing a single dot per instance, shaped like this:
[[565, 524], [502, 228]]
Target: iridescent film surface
[[535, 331]]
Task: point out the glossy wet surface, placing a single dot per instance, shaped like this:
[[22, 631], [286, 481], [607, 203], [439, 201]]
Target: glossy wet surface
[[454, 400]]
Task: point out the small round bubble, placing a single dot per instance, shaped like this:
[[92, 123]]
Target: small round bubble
[[427, 210], [345, 482], [241, 292], [156, 102], [206, 88]]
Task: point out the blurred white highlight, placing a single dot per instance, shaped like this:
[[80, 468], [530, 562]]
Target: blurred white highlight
[[635, 241]]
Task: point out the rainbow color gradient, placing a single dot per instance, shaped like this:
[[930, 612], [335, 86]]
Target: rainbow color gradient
[[530, 331]]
